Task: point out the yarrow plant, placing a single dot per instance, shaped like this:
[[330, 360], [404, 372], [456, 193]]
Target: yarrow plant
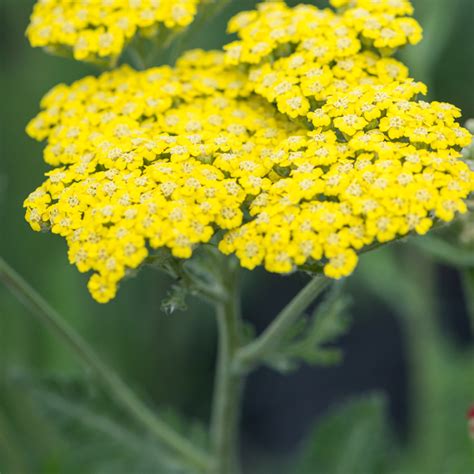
[[144, 160], [301, 145], [100, 29]]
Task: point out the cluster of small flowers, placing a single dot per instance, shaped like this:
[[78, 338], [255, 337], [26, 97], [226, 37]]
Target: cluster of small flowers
[[302, 56], [300, 146], [150, 159], [101, 28], [321, 36], [374, 163]]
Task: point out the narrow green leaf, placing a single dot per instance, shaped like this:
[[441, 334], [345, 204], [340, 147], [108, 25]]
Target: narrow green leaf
[[109, 443], [175, 300], [307, 340]]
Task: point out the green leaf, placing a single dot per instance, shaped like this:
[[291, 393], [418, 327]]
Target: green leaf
[[175, 300], [330, 319], [353, 438], [99, 439], [307, 340]]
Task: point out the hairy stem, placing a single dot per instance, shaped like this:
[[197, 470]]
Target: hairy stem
[[117, 389], [252, 354], [228, 384]]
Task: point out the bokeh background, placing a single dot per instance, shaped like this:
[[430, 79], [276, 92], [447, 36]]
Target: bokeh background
[[408, 357]]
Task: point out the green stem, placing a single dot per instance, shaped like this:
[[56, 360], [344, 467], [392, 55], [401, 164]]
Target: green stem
[[250, 355], [228, 385], [116, 387]]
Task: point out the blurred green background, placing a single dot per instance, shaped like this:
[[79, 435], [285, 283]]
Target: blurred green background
[[411, 340]]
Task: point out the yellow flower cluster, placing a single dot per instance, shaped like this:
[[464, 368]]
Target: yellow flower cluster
[[374, 163], [161, 158], [322, 36], [300, 146], [101, 28]]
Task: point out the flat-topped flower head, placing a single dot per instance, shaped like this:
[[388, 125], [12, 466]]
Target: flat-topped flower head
[[100, 29], [301, 146], [300, 57], [375, 162], [144, 160], [276, 30]]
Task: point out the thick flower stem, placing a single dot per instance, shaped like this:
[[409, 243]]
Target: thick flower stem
[[228, 384], [117, 389], [253, 354]]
